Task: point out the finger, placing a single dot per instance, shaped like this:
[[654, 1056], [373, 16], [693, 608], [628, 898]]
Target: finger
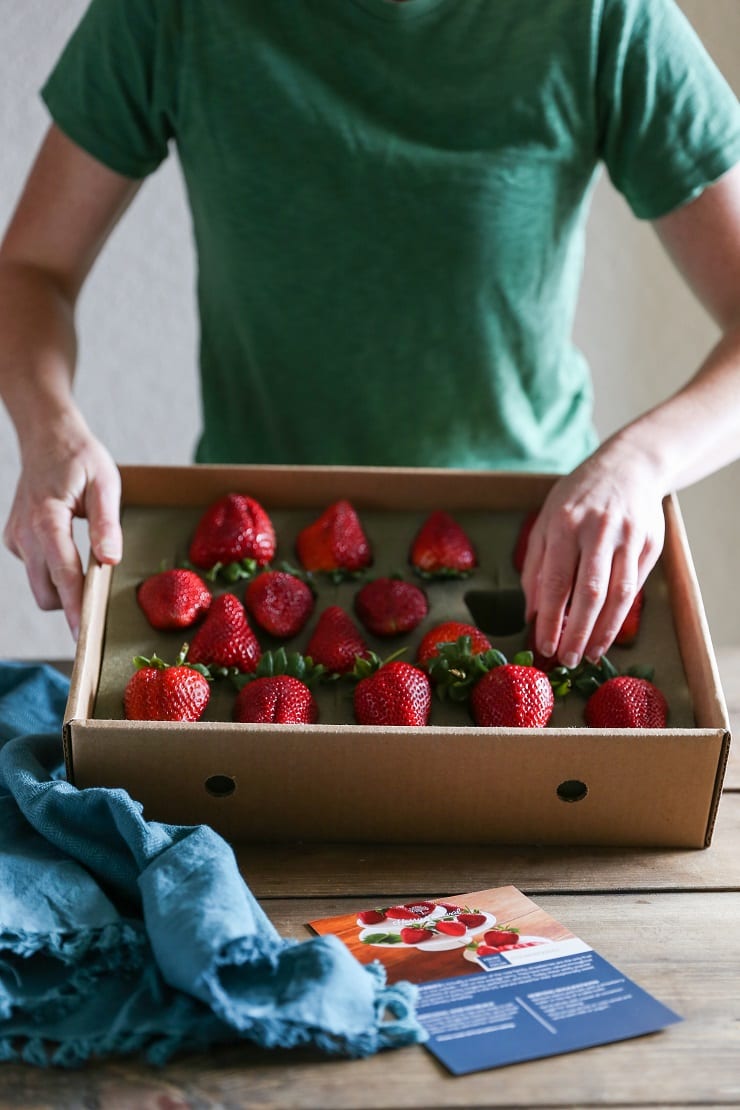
[[623, 585], [589, 594], [102, 508], [53, 530], [554, 587], [43, 589], [529, 578]]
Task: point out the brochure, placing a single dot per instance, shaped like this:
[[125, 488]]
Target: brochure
[[500, 981]]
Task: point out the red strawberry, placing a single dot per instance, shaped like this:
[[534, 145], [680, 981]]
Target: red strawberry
[[419, 909], [497, 937], [371, 917], [472, 919], [280, 700], [451, 928], [416, 934], [157, 692], [631, 623], [225, 639], [398, 913], [442, 548], [522, 540], [173, 598], [280, 602], [233, 528], [512, 696], [449, 632], [335, 541], [390, 606], [396, 694], [336, 641], [487, 950], [626, 702]]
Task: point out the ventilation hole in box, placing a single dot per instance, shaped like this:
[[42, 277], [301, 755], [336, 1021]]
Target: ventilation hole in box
[[572, 791], [220, 786], [497, 612]]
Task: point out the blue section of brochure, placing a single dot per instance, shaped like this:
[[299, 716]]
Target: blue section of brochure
[[534, 1007]]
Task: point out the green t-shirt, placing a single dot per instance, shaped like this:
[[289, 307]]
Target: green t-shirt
[[388, 203]]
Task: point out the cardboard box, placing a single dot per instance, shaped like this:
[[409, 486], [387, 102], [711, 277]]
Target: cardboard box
[[451, 781]]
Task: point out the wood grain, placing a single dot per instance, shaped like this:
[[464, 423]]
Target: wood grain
[[310, 870], [683, 949]]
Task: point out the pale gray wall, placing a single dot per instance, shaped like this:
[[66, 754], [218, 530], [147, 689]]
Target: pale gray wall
[[137, 380]]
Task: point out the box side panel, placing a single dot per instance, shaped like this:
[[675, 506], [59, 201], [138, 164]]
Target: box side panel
[[88, 654], [368, 487], [464, 787], [692, 629]]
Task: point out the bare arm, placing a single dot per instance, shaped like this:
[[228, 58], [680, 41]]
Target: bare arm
[[601, 528], [68, 208]]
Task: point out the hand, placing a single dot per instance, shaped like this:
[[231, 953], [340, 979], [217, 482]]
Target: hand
[[61, 480], [598, 535]]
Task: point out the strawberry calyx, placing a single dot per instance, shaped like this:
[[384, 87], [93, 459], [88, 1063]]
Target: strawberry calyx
[[283, 662], [587, 677], [237, 571], [366, 665], [153, 660], [456, 668]]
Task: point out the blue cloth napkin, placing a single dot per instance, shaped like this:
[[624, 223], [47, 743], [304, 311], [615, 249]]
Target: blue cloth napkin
[[120, 935]]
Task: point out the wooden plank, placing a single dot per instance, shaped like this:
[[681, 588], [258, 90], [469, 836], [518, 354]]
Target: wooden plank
[[311, 870], [683, 948]]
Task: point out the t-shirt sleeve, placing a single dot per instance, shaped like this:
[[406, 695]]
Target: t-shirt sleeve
[[113, 89], [668, 121]]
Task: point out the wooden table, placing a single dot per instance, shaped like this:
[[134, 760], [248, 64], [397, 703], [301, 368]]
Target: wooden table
[[670, 920]]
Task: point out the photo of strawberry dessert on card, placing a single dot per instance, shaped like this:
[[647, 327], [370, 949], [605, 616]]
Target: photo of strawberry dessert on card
[[429, 939]]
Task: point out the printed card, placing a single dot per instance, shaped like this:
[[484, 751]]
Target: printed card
[[500, 981]]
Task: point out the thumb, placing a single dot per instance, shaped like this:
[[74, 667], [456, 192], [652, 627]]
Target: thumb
[[102, 506]]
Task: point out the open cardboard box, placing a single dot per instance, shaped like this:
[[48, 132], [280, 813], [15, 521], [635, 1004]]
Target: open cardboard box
[[451, 781]]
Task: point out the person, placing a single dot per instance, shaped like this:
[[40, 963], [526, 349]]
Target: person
[[388, 204]]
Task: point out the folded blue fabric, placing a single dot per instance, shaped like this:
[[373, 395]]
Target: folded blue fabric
[[120, 935]]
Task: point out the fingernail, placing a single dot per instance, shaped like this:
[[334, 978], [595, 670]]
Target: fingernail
[[595, 656], [548, 649], [109, 551], [570, 660]]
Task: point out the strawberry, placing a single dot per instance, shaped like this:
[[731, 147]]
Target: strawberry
[[449, 632], [631, 623], [335, 541], [390, 606], [407, 912], [497, 937], [281, 700], [419, 909], [173, 598], [336, 641], [279, 602], [371, 917], [416, 934], [513, 696], [158, 692], [522, 541], [450, 928], [626, 701], [395, 694], [226, 639], [450, 908], [232, 529], [441, 548], [471, 919]]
